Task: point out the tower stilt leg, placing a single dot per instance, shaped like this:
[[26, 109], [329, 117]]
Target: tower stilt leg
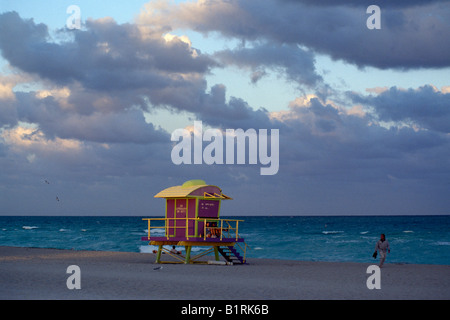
[[188, 254], [216, 253], [158, 256]]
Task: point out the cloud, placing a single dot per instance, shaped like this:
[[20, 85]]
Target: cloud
[[425, 107], [296, 63], [32, 139], [410, 37], [104, 56], [111, 68], [328, 141], [366, 3], [82, 119]]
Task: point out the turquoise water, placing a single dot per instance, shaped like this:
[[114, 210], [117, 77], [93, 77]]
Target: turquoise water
[[413, 239]]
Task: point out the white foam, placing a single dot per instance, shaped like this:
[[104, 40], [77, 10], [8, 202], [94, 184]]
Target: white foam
[[147, 249], [29, 227], [156, 231], [195, 249], [332, 232]]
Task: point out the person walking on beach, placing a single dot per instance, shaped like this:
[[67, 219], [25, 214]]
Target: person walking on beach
[[383, 248]]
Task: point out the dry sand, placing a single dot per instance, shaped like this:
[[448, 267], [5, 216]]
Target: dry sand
[[33, 273]]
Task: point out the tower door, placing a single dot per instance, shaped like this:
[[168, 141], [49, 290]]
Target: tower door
[[180, 215]]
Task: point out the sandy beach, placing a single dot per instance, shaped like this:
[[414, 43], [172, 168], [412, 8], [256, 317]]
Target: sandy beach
[[34, 273]]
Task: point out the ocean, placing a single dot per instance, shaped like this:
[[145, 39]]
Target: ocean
[[413, 239]]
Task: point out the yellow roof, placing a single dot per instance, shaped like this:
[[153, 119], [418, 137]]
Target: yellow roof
[[184, 190], [177, 191]]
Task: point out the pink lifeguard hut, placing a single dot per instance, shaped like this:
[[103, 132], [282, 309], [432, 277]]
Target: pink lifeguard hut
[[192, 219]]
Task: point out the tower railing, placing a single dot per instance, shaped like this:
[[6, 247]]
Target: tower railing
[[213, 228]]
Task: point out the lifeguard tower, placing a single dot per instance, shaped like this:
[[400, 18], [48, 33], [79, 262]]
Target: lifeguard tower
[[192, 220]]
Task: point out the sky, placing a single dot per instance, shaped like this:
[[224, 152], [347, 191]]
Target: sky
[[87, 114]]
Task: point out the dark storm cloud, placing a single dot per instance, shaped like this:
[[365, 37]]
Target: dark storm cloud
[[127, 126], [236, 113], [340, 145], [297, 64], [8, 113], [410, 37], [366, 3], [120, 64], [97, 138], [424, 106], [104, 56]]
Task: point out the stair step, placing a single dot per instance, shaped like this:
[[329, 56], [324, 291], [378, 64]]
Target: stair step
[[231, 254]]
